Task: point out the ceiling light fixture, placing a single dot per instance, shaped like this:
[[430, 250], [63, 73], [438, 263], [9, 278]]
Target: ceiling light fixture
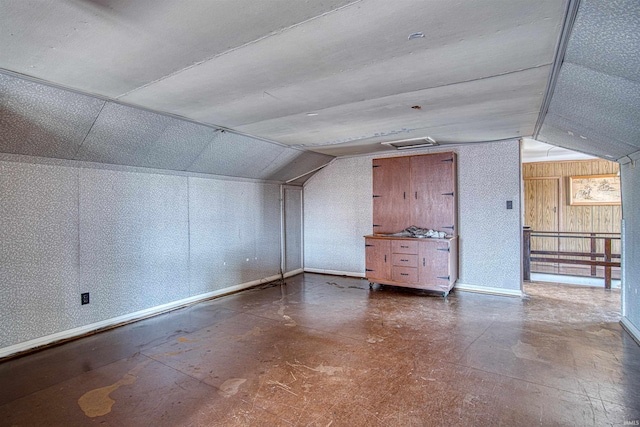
[[312, 114], [405, 144], [416, 36]]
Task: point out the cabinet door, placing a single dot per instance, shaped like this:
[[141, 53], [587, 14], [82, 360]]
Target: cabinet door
[[433, 192], [433, 262], [378, 258], [391, 194]]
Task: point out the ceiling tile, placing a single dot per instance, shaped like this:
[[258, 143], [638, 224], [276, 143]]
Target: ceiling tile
[[113, 46], [122, 135], [293, 164], [606, 36], [461, 108], [40, 120], [593, 100], [563, 133], [129, 136], [179, 145], [231, 154], [265, 69], [358, 55]]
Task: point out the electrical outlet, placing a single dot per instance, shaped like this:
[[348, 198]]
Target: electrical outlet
[[84, 298], [509, 204]]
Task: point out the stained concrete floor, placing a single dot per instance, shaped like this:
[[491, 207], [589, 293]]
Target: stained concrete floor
[[327, 351]]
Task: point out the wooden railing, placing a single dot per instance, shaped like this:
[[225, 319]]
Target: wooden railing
[[592, 258]]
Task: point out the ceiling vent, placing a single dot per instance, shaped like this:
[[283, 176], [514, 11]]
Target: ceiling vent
[[406, 144]]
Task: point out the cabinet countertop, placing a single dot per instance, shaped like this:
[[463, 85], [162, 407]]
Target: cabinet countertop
[[383, 236]]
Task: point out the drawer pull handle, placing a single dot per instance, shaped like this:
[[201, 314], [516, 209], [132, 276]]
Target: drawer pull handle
[[403, 274], [405, 247], [404, 260]]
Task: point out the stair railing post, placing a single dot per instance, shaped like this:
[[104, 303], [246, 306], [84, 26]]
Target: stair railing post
[[526, 253], [607, 268]]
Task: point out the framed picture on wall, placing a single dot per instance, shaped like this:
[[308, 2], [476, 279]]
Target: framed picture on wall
[[594, 190]]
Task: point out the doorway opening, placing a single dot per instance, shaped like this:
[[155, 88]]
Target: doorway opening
[[572, 217]]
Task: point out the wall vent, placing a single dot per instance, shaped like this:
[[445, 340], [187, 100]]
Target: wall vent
[[406, 144]]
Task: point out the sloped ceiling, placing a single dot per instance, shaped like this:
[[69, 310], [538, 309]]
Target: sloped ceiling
[[272, 88], [595, 107], [334, 77], [40, 120]]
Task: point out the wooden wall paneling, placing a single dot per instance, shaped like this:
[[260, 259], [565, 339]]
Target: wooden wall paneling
[[542, 200], [588, 224], [391, 191], [529, 202], [594, 167], [537, 170], [617, 225], [607, 219], [575, 218]]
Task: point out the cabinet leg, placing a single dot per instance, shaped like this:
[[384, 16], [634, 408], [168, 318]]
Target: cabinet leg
[[370, 285], [445, 294]]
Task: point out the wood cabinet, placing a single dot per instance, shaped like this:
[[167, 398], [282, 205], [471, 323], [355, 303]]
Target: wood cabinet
[[391, 194], [415, 190], [429, 264], [378, 258], [421, 191]]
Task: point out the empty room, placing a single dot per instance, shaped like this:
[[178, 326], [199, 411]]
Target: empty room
[[317, 213]]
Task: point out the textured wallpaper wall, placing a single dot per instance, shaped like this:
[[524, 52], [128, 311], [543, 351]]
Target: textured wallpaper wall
[[39, 274], [338, 212], [630, 177], [293, 228], [132, 240]]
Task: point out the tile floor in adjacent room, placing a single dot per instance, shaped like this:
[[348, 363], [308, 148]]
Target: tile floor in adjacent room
[[326, 351]]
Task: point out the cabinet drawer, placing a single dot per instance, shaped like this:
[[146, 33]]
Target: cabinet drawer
[[404, 274], [405, 260], [404, 247]]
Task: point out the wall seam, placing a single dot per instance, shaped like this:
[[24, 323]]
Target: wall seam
[[78, 247], [75, 155], [189, 287]]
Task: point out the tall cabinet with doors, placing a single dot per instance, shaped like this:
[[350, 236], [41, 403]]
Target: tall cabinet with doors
[[421, 191]]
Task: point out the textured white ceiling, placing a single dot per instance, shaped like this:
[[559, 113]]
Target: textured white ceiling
[[47, 121], [595, 107], [110, 47], [536, 151], [259, 67]]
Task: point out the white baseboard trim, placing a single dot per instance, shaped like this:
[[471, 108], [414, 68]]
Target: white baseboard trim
[[631, 329], [488, 290], [573, 280], [333, 272], [294, 272], [82, 330]]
